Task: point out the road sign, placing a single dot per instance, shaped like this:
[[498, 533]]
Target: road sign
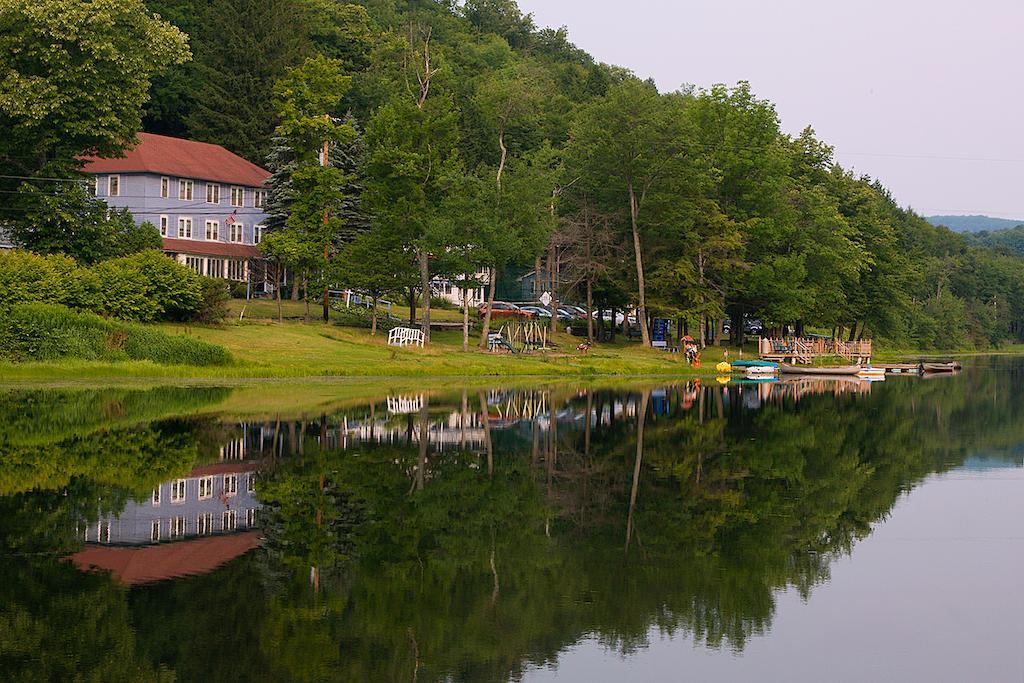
[[545, 298]]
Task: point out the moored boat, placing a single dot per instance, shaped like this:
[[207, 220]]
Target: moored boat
[[843, 370], [871, 372], [950, 366]]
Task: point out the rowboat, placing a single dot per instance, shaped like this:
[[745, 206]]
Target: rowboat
[[872, 372], [756, 371], [951, 366], [843, 370]]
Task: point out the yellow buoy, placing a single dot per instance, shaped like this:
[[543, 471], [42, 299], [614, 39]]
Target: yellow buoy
[[723, 367]]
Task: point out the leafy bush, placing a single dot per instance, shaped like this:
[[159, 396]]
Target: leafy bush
[[144, 286], [41, 332], [214, 298], [25, 277], [147, 286]]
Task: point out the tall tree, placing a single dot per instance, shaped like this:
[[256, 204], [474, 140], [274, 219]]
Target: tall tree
[[631, 141], [242, 48], [316, 192], [412, 156]]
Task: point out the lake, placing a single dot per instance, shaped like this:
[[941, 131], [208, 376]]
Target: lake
[[802, 530]]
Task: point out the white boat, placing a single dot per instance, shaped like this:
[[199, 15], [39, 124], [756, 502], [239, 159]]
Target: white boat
[[871, 372], [760, 371]]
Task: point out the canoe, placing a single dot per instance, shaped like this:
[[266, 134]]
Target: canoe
[[872, 372], [810, 370], [951, 366]]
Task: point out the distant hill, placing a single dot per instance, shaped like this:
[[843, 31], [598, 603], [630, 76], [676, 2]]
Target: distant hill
[[974, 223]]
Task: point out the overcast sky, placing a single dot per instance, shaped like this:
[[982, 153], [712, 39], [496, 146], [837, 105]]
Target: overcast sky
[[926, 95]]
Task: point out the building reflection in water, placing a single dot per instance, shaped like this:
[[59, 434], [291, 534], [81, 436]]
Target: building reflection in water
[[200, 520]]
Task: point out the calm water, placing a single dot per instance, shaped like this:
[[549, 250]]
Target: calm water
[[796, 531]]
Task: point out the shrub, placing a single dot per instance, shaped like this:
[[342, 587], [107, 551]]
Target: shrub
[[144, 343], [25, 277], [40, 332], [213, 306], [147, 286]]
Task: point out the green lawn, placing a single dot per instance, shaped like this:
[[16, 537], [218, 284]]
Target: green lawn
[[267, 349]]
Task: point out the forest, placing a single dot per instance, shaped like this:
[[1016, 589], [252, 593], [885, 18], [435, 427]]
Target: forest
[[466, 142]]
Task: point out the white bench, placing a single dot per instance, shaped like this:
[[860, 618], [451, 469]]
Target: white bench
[[405, 336]]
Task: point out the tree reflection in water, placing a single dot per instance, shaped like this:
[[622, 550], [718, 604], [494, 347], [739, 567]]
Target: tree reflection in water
[[469, 534]]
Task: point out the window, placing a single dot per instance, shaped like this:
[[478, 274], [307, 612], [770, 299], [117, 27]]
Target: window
[[215, 267], [212, 193], [165, 188], [229, 520], [236, 270], [259, 198], [230, 484], [90, 186], [156, 496], [178, 527], [213, 230], [205, 488], [195, 263], [251, 483], [154, 531], [103, 531], [178, 490], [237, 196], [185, 228], [204, 523], [250, 517], [113, 186], [237, 232], [257, 234], [185, 190], [164, 221]]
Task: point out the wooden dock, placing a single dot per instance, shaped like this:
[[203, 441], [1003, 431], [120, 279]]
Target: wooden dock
[[803, 350]]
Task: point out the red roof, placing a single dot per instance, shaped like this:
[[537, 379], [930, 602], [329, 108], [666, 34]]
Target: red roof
[[202, 248], [184, 159], [151, 563]]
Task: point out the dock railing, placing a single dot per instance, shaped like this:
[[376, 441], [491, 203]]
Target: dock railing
[[803, 350]]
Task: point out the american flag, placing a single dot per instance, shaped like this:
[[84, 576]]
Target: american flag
[[230, 220]]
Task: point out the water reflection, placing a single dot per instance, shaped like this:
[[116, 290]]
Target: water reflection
[[466, 535]]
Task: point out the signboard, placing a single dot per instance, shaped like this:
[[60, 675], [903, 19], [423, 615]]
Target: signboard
[[545, 299], [659, 333]]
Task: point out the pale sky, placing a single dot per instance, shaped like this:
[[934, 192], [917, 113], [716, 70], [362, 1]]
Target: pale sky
[[926, 95]]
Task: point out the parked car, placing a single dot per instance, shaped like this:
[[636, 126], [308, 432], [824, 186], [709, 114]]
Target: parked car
[[503, 309], [538, 311]]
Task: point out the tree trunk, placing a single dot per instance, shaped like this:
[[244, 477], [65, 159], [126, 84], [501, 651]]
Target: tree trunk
[[590, 311], [641, 316], [553, 270], [280, 315], [305, 293], [421, 469], [411, 298], [424, 260], [465, 314], [641, 420], [492, 274], [853, 332], [485, 418], [295, 288], [536, 279], [373, 318]]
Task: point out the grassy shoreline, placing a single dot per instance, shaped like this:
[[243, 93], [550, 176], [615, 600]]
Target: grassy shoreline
[[264, 350]]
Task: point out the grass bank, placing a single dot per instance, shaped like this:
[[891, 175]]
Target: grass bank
[[266, 349]]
